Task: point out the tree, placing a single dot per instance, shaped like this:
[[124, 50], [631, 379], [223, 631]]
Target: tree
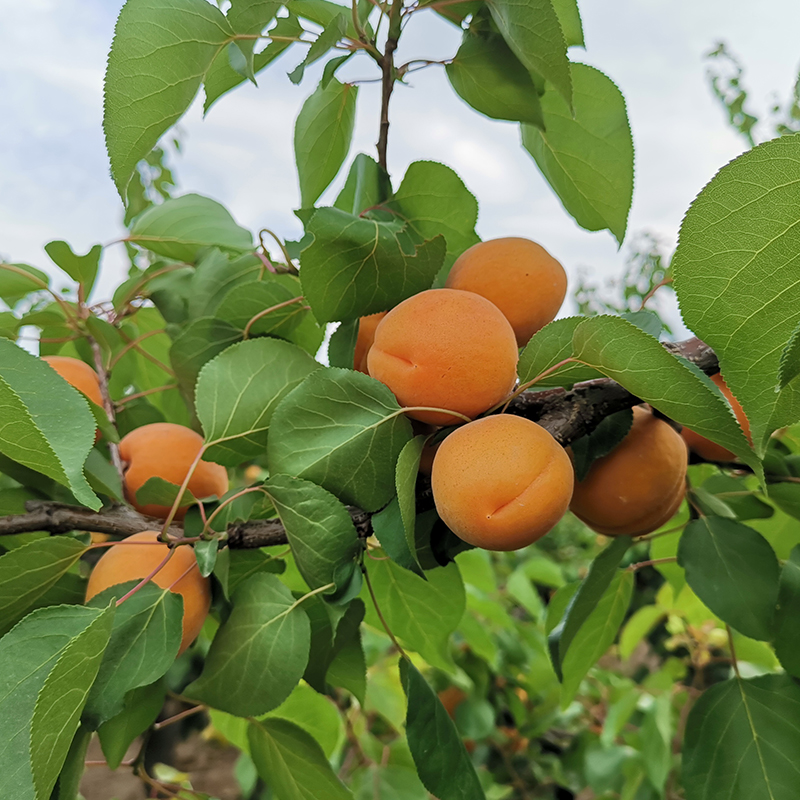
[[356, 646]]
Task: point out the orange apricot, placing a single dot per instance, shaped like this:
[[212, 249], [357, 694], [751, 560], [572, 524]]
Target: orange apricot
[[501, 482], [639, 485], [79, 374], [124, 562], [519, 276], [364, 340], [448, 349], [705, 448], [165, 450]]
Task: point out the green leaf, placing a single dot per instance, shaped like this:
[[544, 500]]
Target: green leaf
[[181, 227], [102, 476], [161, 52], [343, 431], [322, 137], [442, 762], [234, 567], [570, 19], [601, 573], [734, 493], [600, 442], [787, 497], [637, 627], [587, 158], [243, 305], [74, 766], [28, 655], [215, 275], [17, 280], [487, 75], [741, 737], [387, 525], [533, 31], [47, 425], [742, 227], [334, 29], [790, 359], [238, 392], [596, 634], [159, 492], [56, 715], [348, 668], [206, 554], [787, 618], [144, 643], [636, 360], [82, 269], [142, 706], [259, 653], [28, 572], [249, 17], [342, 345], [292, 762], [406, 482], [321, 534], [356, 266], [406, 601], [734, 571], [364, 186]]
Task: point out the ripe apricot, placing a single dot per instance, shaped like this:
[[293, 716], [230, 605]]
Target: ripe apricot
[[705, 448], [165, 450], [124, 562], [79, 374], [519, 276], [364, 340], [445, 348], [501, 482], [639, 485]]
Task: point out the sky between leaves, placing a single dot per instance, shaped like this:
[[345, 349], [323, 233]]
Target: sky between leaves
[[54, 180]]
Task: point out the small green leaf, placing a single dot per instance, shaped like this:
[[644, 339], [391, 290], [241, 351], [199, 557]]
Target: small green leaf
[[734, 571], [354, 457], [570, 19], [587, 158], [259, 653], [206, 554], [787, 618], [741, 737], [292, 762], [159, 492], [321, 534], [442, 762], [322, 137], [406, 481], [82, 269], [334, 30], [179, 228], [238, 392], [342, 345]]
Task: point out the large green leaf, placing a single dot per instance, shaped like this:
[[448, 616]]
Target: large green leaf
[[215, 275], [320, 531], [442, 762], [356, 266], [234, 567], [28, 572], [343, 431], [238, 391], [741, 740], [29, 654], [736, 270], [787, 615], [144, 643], [406, 602], [259, 653], [533, 31], [160, 54], [734, 571], [587, 158], [292, 762], [46, 423], [181, 227], [243, 305], [322, 137]]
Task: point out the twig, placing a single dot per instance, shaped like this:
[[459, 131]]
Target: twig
[[380, 614]]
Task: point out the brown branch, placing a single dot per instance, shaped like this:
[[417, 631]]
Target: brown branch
[[387, 80]]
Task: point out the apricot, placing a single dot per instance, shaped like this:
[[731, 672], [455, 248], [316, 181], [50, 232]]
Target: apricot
[[124, 562], [364, 340], [705, 448], [639, 485], [519, 276], [79, 374], [448, 349], [501, 482], [165, 450]]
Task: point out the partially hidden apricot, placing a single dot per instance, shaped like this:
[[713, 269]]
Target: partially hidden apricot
[[79, 374], [364, 340], [124, 562], [519, 276], [705, 448], [639, 485], [165, 450], [446, 349], [501, 482]]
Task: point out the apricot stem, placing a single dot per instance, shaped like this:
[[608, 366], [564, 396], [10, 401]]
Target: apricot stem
[[224, 503], [246, 332], [114, 360], [139, 349], [148, 578], [178, 717], [177, 502], [290, 268], [649, 295], [524, 386], [734, 662], [380, 615], [649, 536], [129, 397], [652, 563]]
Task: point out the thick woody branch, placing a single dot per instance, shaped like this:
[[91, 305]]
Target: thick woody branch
[[566, 414]]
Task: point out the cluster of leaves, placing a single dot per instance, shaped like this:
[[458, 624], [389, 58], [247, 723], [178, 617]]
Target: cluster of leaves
[[298, 664]]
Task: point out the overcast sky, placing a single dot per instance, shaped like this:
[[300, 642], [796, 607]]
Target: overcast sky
[[54, 180]]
